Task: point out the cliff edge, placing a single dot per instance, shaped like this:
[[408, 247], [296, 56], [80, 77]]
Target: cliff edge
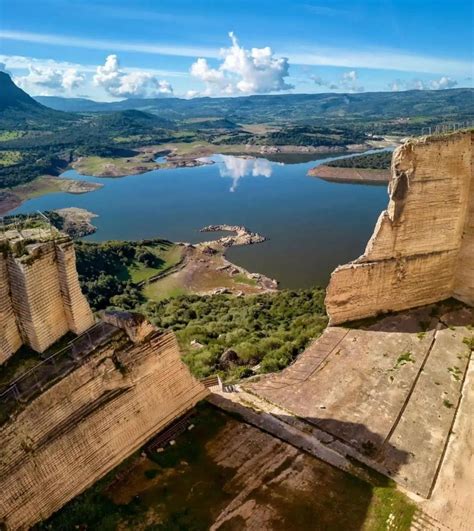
[[422, 249], [73, 421]]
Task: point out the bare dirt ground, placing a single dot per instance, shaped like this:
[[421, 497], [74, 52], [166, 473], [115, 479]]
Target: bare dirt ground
[[238, 477], [77, 221], [205, 270], [8, 201]]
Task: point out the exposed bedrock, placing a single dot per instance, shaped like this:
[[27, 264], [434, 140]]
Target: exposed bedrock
[[40, 295], [129, 387], [422, 249]]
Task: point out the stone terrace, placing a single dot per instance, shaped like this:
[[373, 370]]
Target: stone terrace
[[386, 391]]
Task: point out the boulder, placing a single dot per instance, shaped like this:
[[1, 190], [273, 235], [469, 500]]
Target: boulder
[[229, 359]]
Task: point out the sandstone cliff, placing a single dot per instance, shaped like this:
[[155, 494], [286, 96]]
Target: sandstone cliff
[[40, 296], [127, 389], [422, 249]]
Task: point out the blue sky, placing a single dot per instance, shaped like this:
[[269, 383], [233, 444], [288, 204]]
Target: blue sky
[[109, 50]]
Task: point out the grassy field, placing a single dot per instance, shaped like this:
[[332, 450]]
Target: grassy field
[[115, 166], [200, 275], [10, 135], [10, 158], [165, 288], [202, 148], [111, 271], [46, 184], [40, 186], [131, 138], [169, 256]]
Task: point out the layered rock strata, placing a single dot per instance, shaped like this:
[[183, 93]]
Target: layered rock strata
[[127, 389], [40, 295], [422, 249]]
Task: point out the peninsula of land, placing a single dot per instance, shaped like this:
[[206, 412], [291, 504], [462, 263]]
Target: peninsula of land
[[369, 168]]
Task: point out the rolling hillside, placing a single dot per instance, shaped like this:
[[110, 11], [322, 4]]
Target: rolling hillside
[[297, 107]]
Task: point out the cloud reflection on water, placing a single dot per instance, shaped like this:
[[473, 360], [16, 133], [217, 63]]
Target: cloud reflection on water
[[238, 167]]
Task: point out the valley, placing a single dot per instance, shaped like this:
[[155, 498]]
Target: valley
[[181, 348]]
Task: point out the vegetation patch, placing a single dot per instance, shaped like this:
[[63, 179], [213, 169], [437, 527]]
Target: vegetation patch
[[455, 372], [376, 161], [116, 166], [109, 272], [388, 505], [403, 359], [10, 158], [469, 341], [230, 335], [10, 135]]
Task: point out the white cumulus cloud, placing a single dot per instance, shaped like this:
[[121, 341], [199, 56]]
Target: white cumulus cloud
[[243, 71], [72, 79], [49, 80], [444, 82], [347, 82], [136, 84], [350, 77]]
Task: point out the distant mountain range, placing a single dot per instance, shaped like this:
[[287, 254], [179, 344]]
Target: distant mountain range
[[17, 107], [297, 107]]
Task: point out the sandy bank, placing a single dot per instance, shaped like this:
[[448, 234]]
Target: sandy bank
[[350, 175]]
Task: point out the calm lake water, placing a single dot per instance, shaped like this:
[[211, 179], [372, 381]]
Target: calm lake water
[[312, 225]]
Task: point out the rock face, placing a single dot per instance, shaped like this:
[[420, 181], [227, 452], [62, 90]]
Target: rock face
[[79, 428], [40, 296], [243, 236], [422, 249]]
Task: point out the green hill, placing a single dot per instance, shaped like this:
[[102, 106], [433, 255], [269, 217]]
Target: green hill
[[18, 109], [297, 108]]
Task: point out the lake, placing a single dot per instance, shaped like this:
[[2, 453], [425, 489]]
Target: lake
[[312, 225]]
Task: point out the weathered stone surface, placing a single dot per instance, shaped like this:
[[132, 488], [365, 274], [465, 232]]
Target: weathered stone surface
[[87, 423], [386, 393], [422, 249], [137, 327], [40, 295], [10, 339]]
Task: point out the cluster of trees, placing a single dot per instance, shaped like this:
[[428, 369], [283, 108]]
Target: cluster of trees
[[301, 135], [238, 333], [314, 136], [33, 163], [378, 161], [104, 275]]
